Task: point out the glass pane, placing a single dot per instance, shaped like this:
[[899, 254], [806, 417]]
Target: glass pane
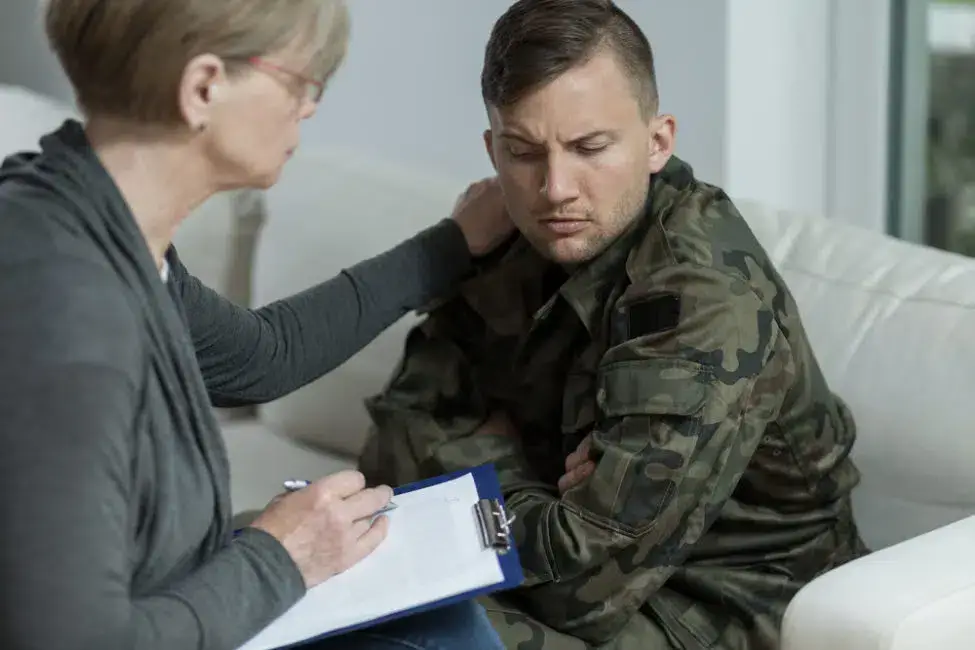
[[950, 200]]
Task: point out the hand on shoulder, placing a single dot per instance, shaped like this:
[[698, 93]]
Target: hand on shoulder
[[482, 216]]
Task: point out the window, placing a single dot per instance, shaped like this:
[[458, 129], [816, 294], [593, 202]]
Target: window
[[932, 172]]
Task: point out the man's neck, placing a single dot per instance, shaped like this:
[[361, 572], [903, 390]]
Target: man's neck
[[157, 174]]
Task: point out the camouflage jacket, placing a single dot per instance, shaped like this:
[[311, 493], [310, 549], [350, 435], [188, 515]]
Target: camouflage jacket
[[723, 476]]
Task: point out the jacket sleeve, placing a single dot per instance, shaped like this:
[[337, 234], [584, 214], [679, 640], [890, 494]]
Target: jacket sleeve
[[252, 356], [69, 401], [681, 412]]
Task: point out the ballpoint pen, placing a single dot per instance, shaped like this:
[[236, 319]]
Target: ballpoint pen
[[295, 484]]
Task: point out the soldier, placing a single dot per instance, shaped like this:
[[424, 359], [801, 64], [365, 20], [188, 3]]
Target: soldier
[[633, 365]]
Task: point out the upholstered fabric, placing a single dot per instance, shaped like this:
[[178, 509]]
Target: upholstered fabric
[[892, 324], [261, 460], [917, 595], [329, 211], [25, 116], [216, 242]]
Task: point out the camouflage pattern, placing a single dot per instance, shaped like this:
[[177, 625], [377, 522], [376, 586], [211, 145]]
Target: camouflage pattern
[[723, 475]]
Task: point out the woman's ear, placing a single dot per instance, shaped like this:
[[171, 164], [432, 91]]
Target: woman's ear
[[199, 90]]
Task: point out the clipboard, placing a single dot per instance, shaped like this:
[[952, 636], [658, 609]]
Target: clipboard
[[493, 525]]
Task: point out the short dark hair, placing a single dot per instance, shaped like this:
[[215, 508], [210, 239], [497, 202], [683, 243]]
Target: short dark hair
[[536, 41]]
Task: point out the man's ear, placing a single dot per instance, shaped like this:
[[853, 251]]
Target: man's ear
[[489, 147], [663, 137]]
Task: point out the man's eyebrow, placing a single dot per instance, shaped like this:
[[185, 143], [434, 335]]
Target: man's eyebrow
[[592, 135], [509, 135], [595, 135]]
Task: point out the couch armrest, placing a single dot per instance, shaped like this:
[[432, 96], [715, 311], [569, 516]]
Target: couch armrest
[[916, 595]]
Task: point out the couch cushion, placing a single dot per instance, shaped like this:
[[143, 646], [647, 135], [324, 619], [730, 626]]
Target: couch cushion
[[26, 117], [217, 242], [260, 460], [892, 325], [917, 595], [328, 212]]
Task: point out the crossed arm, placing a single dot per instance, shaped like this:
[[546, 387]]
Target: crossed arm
[[680, 415]]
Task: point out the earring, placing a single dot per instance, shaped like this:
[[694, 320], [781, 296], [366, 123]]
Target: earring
[[201, 127]]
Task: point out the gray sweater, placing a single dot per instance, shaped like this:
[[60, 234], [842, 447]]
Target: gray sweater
[[114, 482]]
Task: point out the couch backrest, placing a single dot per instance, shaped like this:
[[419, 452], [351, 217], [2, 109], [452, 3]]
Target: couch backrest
[[893, 326], [329, 211]]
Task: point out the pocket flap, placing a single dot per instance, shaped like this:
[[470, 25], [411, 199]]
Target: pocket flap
[[655, 386]]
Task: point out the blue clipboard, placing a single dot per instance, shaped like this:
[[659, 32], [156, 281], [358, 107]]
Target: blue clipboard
[[489, 494]]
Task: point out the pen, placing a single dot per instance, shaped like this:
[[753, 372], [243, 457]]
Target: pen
[[295, 484]]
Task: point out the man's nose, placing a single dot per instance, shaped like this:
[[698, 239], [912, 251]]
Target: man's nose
[[559, 184]]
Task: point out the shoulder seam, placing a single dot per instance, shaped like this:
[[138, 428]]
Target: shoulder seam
[[714, 192]]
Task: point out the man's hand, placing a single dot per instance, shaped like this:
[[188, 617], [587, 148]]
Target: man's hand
[[498, 424], [327, 527], [578, 467], [481, 214]]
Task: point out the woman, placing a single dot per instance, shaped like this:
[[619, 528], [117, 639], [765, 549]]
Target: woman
[[114, 494]]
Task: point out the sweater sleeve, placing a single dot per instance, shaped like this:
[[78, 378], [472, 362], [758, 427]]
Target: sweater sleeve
[[257, 355], [68, 402]]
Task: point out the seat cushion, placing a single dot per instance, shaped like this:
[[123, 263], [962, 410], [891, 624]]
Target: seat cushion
[[260, 460]]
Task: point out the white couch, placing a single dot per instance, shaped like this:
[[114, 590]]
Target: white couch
[[893, 325]]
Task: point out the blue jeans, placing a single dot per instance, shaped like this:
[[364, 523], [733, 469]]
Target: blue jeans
[[457, 627]]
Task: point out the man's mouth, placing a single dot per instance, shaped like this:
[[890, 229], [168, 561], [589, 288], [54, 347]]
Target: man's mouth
[[564, 227]]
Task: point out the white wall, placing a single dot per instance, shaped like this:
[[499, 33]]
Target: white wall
[[427, 110], [778, 100], [25, 58], [807, 106], [777, 115], [859, 103]]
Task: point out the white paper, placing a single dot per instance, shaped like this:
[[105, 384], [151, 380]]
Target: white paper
[[433, 551]]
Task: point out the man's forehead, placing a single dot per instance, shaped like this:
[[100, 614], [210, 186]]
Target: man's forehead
[[592, 96]]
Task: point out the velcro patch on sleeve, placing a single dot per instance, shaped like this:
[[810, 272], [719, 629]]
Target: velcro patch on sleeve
[[654, 315]]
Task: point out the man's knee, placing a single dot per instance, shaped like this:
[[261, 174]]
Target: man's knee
[[519, 631]]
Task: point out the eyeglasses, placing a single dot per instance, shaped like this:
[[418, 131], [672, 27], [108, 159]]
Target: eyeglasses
[[313, 89]]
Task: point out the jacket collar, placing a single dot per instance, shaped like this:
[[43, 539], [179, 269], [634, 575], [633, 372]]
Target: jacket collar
[[517, 289]]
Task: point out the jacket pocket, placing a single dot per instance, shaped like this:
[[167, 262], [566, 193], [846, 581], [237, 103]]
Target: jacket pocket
[[648, 431]]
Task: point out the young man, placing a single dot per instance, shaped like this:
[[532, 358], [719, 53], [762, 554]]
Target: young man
[[633, 365]]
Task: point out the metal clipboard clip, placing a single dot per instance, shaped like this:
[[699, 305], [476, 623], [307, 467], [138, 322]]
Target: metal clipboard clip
[[494, 525]]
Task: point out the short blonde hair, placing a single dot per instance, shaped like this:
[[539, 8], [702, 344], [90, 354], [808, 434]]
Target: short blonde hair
[[125, 58]]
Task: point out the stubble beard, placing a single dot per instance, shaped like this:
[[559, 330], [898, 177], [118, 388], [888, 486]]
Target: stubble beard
[[589, 244]]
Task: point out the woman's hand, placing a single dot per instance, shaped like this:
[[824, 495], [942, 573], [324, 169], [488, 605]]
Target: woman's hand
[[578, 466], [328, 526], [481, 214]]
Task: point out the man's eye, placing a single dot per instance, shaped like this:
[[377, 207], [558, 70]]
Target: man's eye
[[516, 152], [590, 149]]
